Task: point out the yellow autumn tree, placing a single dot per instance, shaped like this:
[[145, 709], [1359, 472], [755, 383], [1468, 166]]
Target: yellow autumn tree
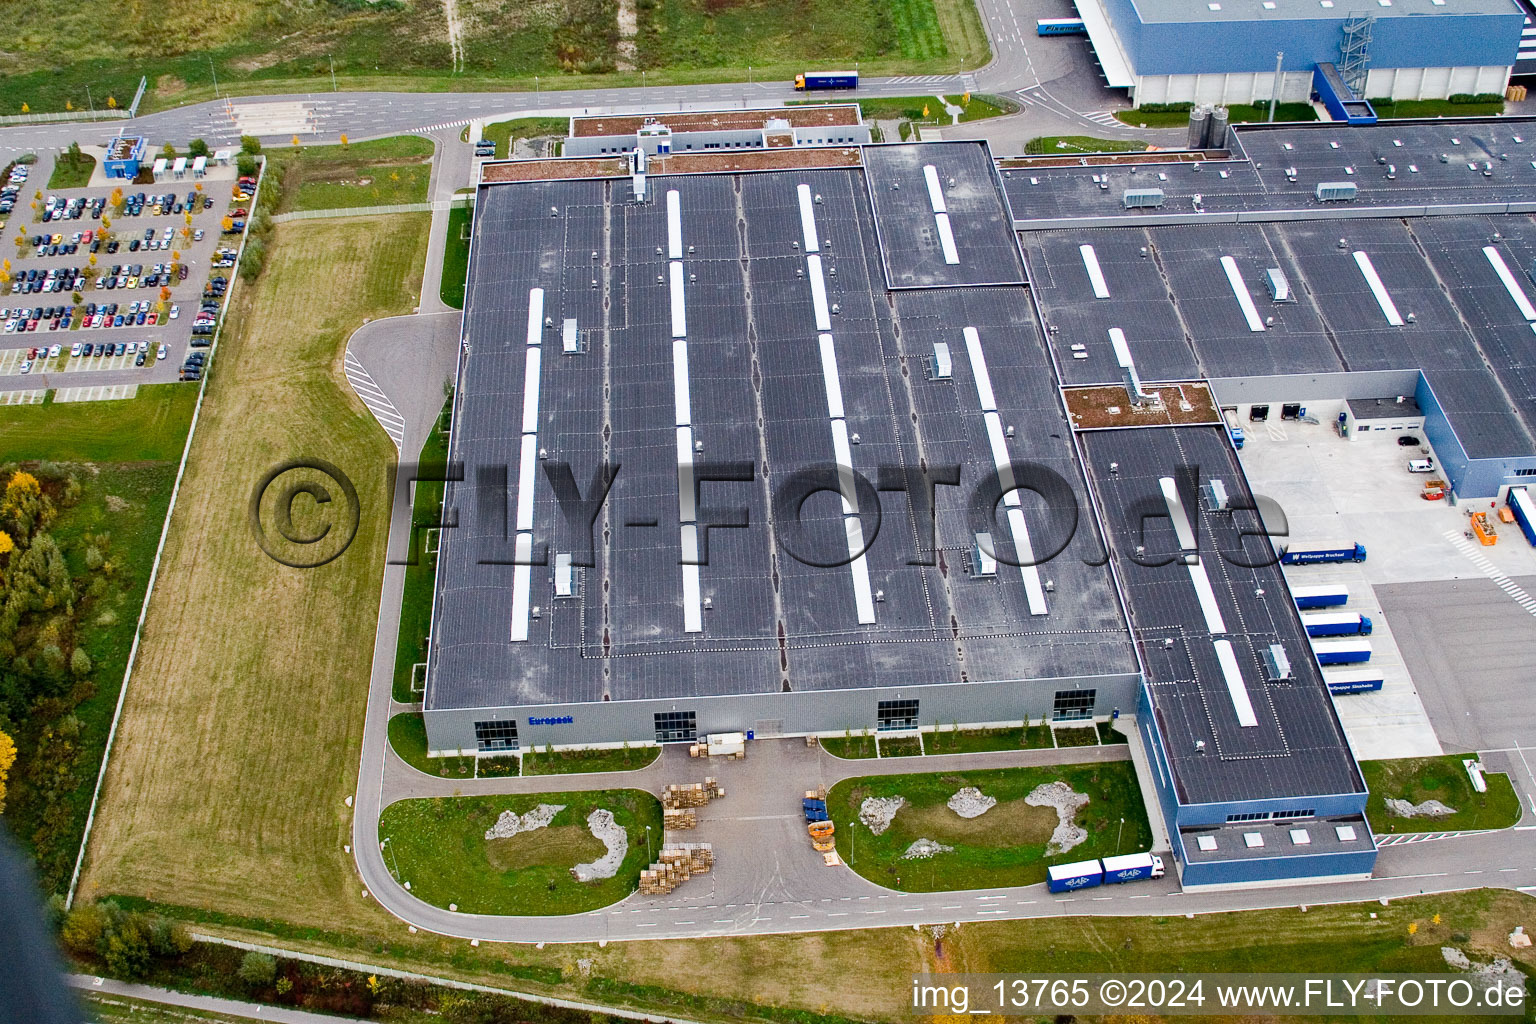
[[7, 758], [6, 544]]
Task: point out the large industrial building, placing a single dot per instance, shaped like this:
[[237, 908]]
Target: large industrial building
[[1224, 51], [903, 437]]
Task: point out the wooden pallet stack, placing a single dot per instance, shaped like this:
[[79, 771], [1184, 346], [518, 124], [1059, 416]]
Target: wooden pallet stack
[[694, 794], [679, 818], [677, 865]]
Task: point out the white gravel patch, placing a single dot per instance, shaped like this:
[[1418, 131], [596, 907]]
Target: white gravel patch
[[970, 803], [1427, 809], [1456, 958], [510, 824], [925, 848], [613, 836], [877, 811], [1067, 802]]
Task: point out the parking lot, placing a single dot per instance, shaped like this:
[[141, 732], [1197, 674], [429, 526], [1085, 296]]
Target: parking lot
[[142, 279]]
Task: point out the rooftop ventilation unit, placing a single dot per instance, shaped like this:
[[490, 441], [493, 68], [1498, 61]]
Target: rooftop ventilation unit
[[1276, 663], [943, 366], [986, 560], [1217, 492], [1335, 191], [1142, 198], [1279, 287]]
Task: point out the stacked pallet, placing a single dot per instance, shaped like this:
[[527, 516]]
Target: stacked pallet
[[677, 818], [677, 865], [695, 794]]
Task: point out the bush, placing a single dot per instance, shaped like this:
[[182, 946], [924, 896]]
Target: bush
[[1480, 97], [83, 928], [252, 259], [258, 969], [80, 663], [197, 147], [250, 144], [1166, 108], [246, 165]]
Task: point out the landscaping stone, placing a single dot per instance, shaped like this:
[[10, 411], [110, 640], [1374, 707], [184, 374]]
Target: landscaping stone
[[970, 803], [1456, 958], [510, 824], [878, 811], [1427, 809], [925, 848], [613, 836], [1067, 802]]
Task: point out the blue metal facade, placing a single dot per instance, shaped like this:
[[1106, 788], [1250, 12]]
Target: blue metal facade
[[1468, 477], [1208, 46], [127, 164], [1254, 869]]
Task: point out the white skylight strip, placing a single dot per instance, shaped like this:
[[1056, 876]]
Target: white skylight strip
[[531, 390], [683, 410], [935, 190], [674, 225], [686, 511], [522, 585], [527, 465], [979, 370], [1175, 503], [1000, 456], [1511, 285], [1207, 598], [808, 219], [679, 309], [947, 239], [1034, 593], [1240, 290], [818, 293], [693, 604], [535, 315], [1235, 687], [863, 598], [1095, 274], [843, 453], [1383, 298], [829, 376]]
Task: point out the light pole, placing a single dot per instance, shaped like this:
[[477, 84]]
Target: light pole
[[89, 102], [1117, 834], [215, 74], [396, 864], [851, 838], [535, 90], [333, 71], [648, 856]]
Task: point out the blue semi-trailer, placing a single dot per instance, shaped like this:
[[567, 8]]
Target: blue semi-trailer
[[1310, 556], [1321, 596], [1524, 509], [827, 80], [1361, 680], [1337, 624], [1086, 874], [1342, 652]]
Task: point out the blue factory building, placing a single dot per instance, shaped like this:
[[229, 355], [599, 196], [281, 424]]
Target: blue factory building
[[1224, 51]]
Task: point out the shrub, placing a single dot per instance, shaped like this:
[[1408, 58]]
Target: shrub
[[258, 969], [246, 165], [250, 144], [83, 928], [197, 147]]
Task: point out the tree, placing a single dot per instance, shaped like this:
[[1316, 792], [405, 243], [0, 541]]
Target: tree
[[80, 663], [250, 144], [111, 102], [168, 150], [228, 223], [26, 109], [126, 950], [197, 147], [116, 199], [344, 140], [69, 105], [83, 928], [246, 165], [295, 143], [7, 745], [75, 156], [258, 969]]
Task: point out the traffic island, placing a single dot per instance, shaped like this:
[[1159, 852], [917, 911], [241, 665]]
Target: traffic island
[[937, 832], [519, 855]]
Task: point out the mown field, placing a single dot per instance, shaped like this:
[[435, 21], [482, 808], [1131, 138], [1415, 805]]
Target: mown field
[[55, 49], [239, 740], [379, 172]]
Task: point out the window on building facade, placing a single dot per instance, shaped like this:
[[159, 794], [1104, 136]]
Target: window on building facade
[[676, 727], [1251, 816], [1074, 705], [895, 714], [496, 735]]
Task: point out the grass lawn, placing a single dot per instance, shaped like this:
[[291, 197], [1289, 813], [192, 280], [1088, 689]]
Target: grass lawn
[[1417, 779], [127, 452], [379, 172], [455, 258], [624, 759], [970, 741], [439, 846], [236, 752], [1004, 846], [1109, 734], [68, 173], [112, 1009], [416, 597], [503, 132], [1047, 145], [1435, 108], [1077, 736], [900, 746], [408, 738], [1239, 113], [982, 107], [849, 746]]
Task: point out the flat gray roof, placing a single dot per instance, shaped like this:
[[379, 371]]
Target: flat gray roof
[[758, 397]]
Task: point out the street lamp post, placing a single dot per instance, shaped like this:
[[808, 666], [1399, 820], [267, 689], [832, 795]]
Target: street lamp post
[[648, 856], [1118, 832], [851, 838], [212, 70], [333, 72]]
